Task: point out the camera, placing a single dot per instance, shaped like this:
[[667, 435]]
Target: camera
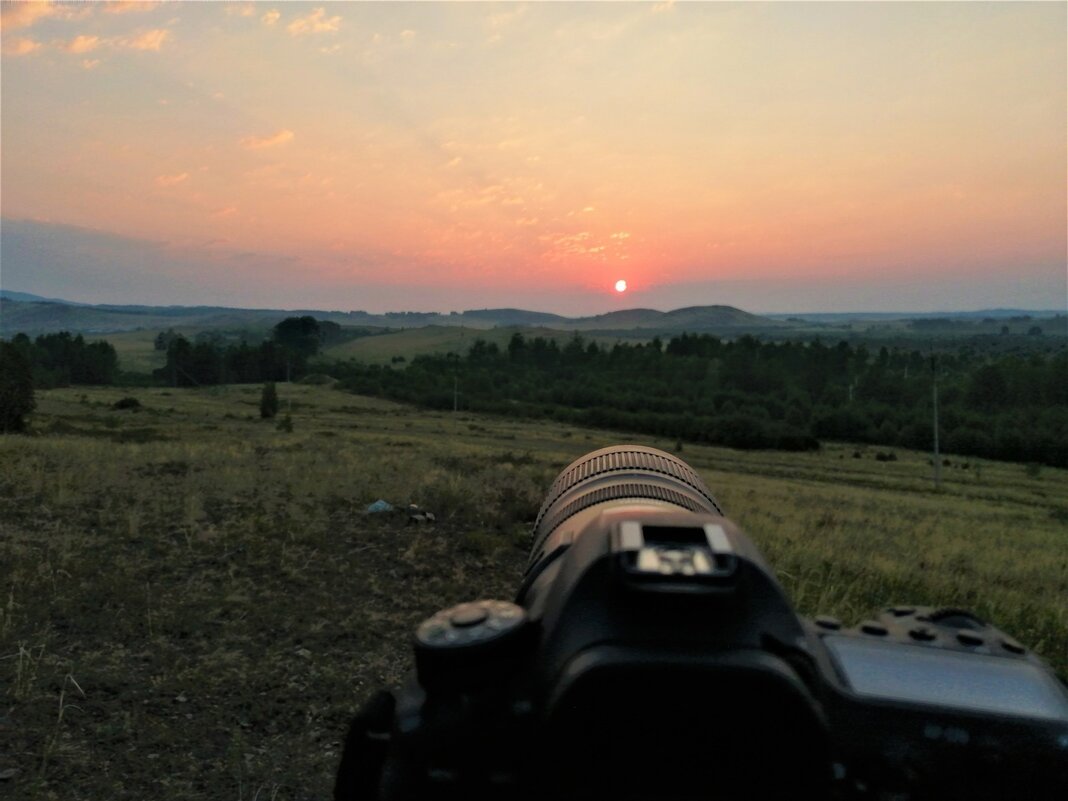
[[650, 653]]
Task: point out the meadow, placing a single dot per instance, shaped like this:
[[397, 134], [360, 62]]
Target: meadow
[[194, 602], [405, 344]]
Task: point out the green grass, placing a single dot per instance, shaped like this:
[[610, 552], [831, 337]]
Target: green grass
[[136, 350], [193, 603], [433, 339]]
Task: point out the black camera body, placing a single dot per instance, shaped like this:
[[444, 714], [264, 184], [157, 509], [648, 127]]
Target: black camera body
[[651, 654]]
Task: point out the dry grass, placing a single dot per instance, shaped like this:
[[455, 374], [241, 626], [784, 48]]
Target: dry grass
[[193, 603]]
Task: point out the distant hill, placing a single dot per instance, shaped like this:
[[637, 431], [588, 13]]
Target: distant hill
[[514, 317], [32, 314], [981, 314], [30, 298], [692, 318], [22, 312]]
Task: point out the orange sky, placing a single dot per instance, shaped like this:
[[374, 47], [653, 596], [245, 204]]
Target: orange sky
[[773, 156]]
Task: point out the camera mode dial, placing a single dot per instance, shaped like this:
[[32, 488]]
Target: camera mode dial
[[470, 644]]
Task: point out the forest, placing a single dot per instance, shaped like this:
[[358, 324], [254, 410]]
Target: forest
[[747, 393]]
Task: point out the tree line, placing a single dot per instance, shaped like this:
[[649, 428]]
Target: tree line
[[747, 393], [62, 359], [743, 393], [57, 360], [283, 356]]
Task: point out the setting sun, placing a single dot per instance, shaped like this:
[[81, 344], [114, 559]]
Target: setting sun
[[621, 285]]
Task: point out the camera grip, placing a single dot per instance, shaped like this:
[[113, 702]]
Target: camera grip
[[366, 748]]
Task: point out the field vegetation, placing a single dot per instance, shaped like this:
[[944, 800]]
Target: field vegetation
[[745, 393], [397, 347], [193, 600]]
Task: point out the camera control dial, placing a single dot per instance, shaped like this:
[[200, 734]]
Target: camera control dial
[[464, 645]]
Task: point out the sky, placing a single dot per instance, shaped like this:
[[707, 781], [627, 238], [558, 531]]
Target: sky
[[778, 157]]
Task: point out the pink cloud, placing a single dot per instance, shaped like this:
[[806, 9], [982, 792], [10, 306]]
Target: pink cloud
[[149, 40], [82, 44], [315, 22], [259, 143], [171, 180], [15, 15], [127, 6], [20, 47], [271, 17], [22, 15]]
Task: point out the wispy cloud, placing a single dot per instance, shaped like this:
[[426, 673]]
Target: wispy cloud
[[271, 17], [20, 47], [23, 15], [90, 63], [148, 40], [496, 24], [128, 6], [315, 22], [14, 15], [171, 180], [81, 44], [240, 10], [259, 143]]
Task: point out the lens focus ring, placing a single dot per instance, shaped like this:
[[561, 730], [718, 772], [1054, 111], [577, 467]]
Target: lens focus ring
[[621, 472]]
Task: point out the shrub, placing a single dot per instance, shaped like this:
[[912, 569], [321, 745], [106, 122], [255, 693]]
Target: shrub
[[268, 401], [127, 403], [16, 388]]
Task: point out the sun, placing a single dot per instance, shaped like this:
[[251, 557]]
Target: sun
[[621, 285]]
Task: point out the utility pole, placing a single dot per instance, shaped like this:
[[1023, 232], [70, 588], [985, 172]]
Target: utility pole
[[934, 404]]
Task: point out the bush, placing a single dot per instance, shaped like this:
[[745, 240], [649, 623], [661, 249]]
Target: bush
[[127, 403], [16, 388], [268, 401]]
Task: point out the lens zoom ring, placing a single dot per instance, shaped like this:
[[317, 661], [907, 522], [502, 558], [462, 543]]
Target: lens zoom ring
[[614, 460], [614, 492]]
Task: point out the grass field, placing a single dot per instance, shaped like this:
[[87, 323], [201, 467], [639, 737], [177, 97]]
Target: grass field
[[136, 350], [431, 339], [193, 602]]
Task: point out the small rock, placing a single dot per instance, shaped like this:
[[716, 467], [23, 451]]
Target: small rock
[[181, 699], [8, 773], [380, 506]]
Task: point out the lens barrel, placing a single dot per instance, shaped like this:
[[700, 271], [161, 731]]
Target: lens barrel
[[619, 474]]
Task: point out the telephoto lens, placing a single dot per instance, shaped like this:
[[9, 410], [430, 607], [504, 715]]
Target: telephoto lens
[[671, 664], [650, 653]]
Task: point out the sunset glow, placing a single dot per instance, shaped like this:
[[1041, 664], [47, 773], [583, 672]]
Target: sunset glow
[[435, 156]]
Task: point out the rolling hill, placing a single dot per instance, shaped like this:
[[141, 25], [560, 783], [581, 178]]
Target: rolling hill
[[21, 312]]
